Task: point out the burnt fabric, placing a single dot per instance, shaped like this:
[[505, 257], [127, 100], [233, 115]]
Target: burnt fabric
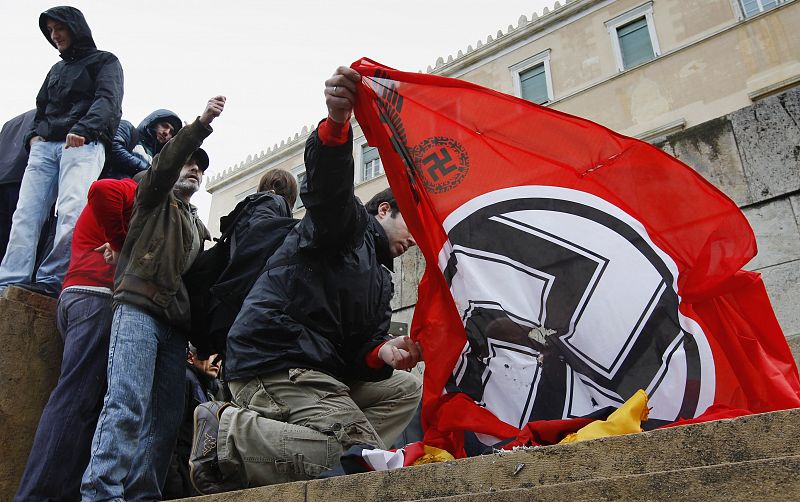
[[567, 266]]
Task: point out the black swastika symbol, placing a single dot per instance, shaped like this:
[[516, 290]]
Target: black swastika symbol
[[441, 162]]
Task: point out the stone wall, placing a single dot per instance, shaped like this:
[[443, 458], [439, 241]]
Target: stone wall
[[753, 156], [29, 370]]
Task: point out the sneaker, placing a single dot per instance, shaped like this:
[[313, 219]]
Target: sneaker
[[203, 462]]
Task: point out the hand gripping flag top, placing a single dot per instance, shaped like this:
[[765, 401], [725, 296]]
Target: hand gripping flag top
[[567, 266]]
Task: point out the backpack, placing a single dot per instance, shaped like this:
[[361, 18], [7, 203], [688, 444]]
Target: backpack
[[218, 283]]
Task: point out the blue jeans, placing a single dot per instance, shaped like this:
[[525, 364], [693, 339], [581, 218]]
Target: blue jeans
[[53, 172], [60, 448], [142, 409]]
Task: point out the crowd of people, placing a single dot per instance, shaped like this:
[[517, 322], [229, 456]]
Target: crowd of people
[[300, 313]]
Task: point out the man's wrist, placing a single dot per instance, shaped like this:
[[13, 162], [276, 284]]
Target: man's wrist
[[332, 133]]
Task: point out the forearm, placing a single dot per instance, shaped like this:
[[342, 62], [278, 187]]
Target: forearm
[[328, 194]]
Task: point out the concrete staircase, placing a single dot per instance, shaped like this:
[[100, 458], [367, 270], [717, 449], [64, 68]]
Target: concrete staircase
[[749, 458]]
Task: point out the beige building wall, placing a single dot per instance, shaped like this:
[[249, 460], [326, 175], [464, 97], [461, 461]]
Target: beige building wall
[[710, 62], [240, 181]]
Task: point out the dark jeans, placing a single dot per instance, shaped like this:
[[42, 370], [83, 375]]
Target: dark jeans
[[63, 439]]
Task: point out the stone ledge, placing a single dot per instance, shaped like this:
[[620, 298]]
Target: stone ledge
[[770, 479], [34, 300], [744, 439]]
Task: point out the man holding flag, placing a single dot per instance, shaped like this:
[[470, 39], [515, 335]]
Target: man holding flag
[[309, 361]]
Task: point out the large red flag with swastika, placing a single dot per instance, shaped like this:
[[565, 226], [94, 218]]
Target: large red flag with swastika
[[567, 266]]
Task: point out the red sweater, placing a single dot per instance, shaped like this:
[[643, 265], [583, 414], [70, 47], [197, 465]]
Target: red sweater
[[104, 219]]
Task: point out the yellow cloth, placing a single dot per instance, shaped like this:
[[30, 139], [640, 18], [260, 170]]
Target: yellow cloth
[[627, 419], [433, 454]]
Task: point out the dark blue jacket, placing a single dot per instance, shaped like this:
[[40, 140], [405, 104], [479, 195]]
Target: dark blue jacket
[[323, 300], [121, 162], [82, 93], [13, 155]]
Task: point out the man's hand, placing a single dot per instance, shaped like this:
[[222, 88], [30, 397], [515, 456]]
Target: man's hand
[[74, 141], [109, 255], [400, 353], [34, 140], [340, 93], [213, 110]]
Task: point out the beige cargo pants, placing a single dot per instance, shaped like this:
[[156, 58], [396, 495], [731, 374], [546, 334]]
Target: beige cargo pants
[[293, 425]]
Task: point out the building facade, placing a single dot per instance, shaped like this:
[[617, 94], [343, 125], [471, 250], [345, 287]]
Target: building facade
[[712, 82]]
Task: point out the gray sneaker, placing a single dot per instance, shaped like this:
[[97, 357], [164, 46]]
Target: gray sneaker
[[203, 462]]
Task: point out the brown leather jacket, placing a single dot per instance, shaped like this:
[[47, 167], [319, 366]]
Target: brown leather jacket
[[162, 233]]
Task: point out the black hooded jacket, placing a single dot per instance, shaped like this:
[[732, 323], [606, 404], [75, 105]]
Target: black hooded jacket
[[82, 93], [147, 129], [322, 301], [122, 162]]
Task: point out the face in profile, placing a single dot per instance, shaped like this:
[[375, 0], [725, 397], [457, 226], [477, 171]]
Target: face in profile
[[209, 367], [400, 239]]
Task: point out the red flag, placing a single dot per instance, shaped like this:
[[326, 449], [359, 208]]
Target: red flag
[[567, 266]]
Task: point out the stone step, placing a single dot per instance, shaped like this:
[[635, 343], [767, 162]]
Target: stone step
[[752, 438], [773, 479], [29, 369]]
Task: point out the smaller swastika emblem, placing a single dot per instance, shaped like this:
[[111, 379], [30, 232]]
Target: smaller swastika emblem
[[441, 162]]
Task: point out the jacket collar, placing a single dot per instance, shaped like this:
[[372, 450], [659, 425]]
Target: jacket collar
[[382, 250]]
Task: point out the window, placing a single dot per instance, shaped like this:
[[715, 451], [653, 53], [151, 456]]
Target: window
[[532, 79], [371, 165], [753, 7], [634, 43], [533, 85], [301, 179], [633, 37]]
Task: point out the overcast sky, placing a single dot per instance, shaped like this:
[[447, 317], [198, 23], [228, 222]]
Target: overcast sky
[[269, 58]]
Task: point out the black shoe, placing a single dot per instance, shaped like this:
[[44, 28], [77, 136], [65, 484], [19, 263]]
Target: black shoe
[[203, 463]]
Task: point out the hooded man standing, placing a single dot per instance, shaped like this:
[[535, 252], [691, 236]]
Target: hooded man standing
[[143, 405], [78, 109]]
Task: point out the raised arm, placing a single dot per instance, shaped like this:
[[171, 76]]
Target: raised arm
[[338, 217]]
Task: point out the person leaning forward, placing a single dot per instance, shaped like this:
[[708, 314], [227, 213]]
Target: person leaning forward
[[142, 409], [309, 361]]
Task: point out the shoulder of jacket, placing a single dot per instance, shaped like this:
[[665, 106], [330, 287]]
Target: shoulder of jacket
[[105, 57]]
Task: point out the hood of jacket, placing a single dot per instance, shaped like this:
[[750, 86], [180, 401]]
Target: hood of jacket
[[147, 132], [82, 40]]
